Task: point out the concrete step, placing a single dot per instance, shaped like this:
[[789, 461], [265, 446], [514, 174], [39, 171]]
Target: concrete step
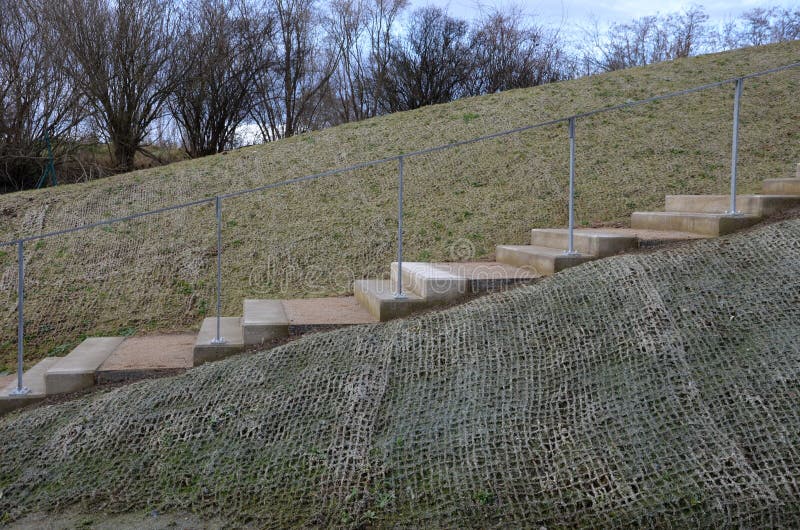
[[319, 314], [489, 276], [430, 282], [378, 297], [263, 321], [544, 260], [204, 348], [789, 186], [77, 370], [710, 224], [749, 204], [146, 356], [33, 380], [598, 244]]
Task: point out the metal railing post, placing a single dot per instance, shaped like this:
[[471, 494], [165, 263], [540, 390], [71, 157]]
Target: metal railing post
[[20, 390], [218, 338], [399, 294], [735, 144], [571, 246]]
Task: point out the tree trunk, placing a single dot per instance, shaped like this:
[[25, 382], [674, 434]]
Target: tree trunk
[[124, 153]]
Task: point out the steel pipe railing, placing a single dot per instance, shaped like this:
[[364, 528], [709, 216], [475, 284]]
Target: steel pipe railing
[[571, 246], [735, 144], [400, 159], [399, 294]]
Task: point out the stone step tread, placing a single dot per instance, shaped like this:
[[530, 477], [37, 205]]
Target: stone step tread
[[466, 270], [711, 224], [538, 250], [748, 204], [724, 200], [585, 232], [378, 297], [428, 270], [151, 353], [596, 243], [384, 290], [263, 321], [429, 282], [330, 311], [261, 312], [546, 260], [744, 196], [788, 186], [87, 357], [487, 270], [230, 330], [699, 215], [645, 235], [32, 379]]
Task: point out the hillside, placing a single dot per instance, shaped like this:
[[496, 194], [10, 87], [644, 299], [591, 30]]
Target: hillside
[[314, 238], [655, 389]]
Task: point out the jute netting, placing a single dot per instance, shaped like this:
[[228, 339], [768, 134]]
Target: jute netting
[[652, 389]]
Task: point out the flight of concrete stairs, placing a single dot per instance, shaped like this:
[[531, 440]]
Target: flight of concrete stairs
[[428, 285]]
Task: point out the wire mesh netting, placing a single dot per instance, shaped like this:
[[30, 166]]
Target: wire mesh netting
[[651, 389]]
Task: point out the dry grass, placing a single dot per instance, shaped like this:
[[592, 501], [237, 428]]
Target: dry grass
[[312, 239]]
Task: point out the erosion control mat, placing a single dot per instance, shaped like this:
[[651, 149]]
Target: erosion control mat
[[652, 389]]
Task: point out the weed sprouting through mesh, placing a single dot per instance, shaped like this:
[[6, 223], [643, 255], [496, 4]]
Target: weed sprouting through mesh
[[643, 390]]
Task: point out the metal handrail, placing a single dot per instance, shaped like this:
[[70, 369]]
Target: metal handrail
[[429, 150], [217, 199]]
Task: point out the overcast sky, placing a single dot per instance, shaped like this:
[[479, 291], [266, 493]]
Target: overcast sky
[[574, 13]]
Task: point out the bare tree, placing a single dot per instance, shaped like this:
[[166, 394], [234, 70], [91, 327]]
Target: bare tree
[[222, 45], [688, 32], [510, 54], [118, 53], [360, 32], [766, 25], [383, 15], [350, 83], [432, 64], [648, 40], [289, 94], [37, 101]]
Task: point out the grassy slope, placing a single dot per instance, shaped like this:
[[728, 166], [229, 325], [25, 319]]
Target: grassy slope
[[644, 390], [312, 239]]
